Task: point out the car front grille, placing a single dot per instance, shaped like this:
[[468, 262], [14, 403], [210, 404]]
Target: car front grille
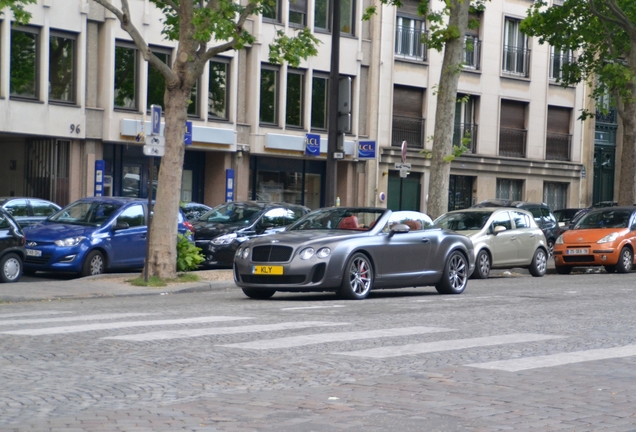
[[578, 258], [271, 254], [37, 260]]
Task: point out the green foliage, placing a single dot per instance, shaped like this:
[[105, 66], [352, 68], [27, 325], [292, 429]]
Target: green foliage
[[17, 7], [293, 50], [188, 255]]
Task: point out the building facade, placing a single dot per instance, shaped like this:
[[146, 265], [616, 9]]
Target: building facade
[[75, 90]]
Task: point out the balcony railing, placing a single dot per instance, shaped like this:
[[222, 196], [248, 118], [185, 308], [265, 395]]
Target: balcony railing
[[557, 146], [472, 53], [465, 130], [512, 142], [516, 61], [409, 129], [556, 65], [608, 117], [408, 43]]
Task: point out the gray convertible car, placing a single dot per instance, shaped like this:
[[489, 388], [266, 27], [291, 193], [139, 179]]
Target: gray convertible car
[[351, 250]]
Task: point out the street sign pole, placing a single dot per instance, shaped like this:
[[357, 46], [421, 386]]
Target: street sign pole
[[151, 174]]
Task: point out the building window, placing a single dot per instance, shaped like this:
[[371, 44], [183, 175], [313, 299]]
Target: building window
[[319, 93], [512, 129], [193, 105], [126, 61], [298, 12], [62, 68], [407, 122], [516, 55], [321, 14], [217, 89], [156, 81], [25, 49], [558, 138], [472, 52], [294, 100], [558, 59], [271, 10], [347, 13], [408, 38], [465, 130], [269, 102], [555, 195], [509, 189]]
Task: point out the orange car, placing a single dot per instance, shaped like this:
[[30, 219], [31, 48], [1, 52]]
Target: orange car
[[603, 237]]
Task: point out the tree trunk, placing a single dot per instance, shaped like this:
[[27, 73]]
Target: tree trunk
[[162, 260], [445, 112], [628, 155]]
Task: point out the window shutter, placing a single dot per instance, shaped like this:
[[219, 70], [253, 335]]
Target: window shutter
[[559, 120], [409, 8], [298, 6], [513, 114], [408, 101]]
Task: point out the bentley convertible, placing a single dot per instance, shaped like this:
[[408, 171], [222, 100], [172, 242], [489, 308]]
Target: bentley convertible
[[352, 250]]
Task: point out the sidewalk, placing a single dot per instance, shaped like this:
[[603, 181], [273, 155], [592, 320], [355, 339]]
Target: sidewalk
[[107, 285]]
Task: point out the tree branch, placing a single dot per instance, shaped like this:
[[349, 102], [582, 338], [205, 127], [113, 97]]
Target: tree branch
[[230, 44], [627, 23], [614, 20], [172, 4]]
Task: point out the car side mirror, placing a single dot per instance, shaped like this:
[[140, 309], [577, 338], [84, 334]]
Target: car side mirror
[[499, 229], [120, 226], [399, 229]]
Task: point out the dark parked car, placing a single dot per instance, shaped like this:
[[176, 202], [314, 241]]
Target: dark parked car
[[353, 250], [92, 235], [12, 251], [194, 211], [220, 231], [541, 213], [28, 211], [564, 217]]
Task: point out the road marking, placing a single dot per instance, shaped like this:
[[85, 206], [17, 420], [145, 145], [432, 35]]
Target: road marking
[[520, 364], [189, 333], [429, 347], [314, 307], [74, 318], [21, 314], [296, 341], [119, 325]]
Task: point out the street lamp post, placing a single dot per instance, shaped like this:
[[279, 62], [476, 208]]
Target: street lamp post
[[331, 180]]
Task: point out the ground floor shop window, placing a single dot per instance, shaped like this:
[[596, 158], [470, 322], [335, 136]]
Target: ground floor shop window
[[509, 189], [555, 195]]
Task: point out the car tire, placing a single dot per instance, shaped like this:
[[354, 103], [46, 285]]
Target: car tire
[[455, 276], [357, 280], [539, 263], [94, 264], [482, 265], [610, 268], [10, 268], [563, 270], [259, 294], [625, 261], [550, 248]]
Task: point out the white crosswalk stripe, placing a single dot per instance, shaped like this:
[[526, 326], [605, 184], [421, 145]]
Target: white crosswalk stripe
[[120, 325], [448, 345], [190, 333], [313, 339], [74, 318], [560, 359], [32, 313]]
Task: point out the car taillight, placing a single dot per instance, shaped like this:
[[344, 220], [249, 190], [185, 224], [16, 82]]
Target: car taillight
[[189, 226]]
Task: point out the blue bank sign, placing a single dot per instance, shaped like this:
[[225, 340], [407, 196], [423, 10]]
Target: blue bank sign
[[366, 149], [312, 146]]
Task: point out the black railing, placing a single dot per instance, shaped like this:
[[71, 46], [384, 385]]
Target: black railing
[[468, 131], [512, 142], [409, 129], [557, 146], [472, 53], [408, 43], [516, 61], [607, 117], [556, 65]]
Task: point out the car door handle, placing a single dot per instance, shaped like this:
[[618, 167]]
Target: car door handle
[[425, 240], [531, 235], [144, 236], [513, 238]]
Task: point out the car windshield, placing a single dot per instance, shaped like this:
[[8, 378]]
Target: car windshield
[[86, 213], [237, 214], [463, 221], [605, 219], [338, 218]]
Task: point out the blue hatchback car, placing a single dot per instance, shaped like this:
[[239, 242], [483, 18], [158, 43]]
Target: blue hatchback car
[[90, 236]]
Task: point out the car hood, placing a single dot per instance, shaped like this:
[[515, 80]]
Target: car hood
[[578, 236], [209, 231], [295, 238], [50, 231]]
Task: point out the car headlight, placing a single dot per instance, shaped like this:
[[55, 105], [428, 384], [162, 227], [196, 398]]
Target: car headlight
[[323, 252], [559, 240], [224, 239], [71, 241], [608, 238], [246, 253], [239, 252], [307, 253]]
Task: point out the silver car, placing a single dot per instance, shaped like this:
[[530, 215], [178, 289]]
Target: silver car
[[503, 238]]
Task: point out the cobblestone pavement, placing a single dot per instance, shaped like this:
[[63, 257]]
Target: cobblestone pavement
[[522, 353]]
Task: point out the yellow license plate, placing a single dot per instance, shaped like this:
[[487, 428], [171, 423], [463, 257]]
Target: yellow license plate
[[267, 270]]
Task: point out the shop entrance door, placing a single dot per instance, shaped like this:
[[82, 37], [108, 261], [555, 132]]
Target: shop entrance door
[[604, 158], [404, 194]]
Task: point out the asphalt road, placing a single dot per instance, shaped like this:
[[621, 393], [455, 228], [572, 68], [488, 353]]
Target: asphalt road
[[522, 353]]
